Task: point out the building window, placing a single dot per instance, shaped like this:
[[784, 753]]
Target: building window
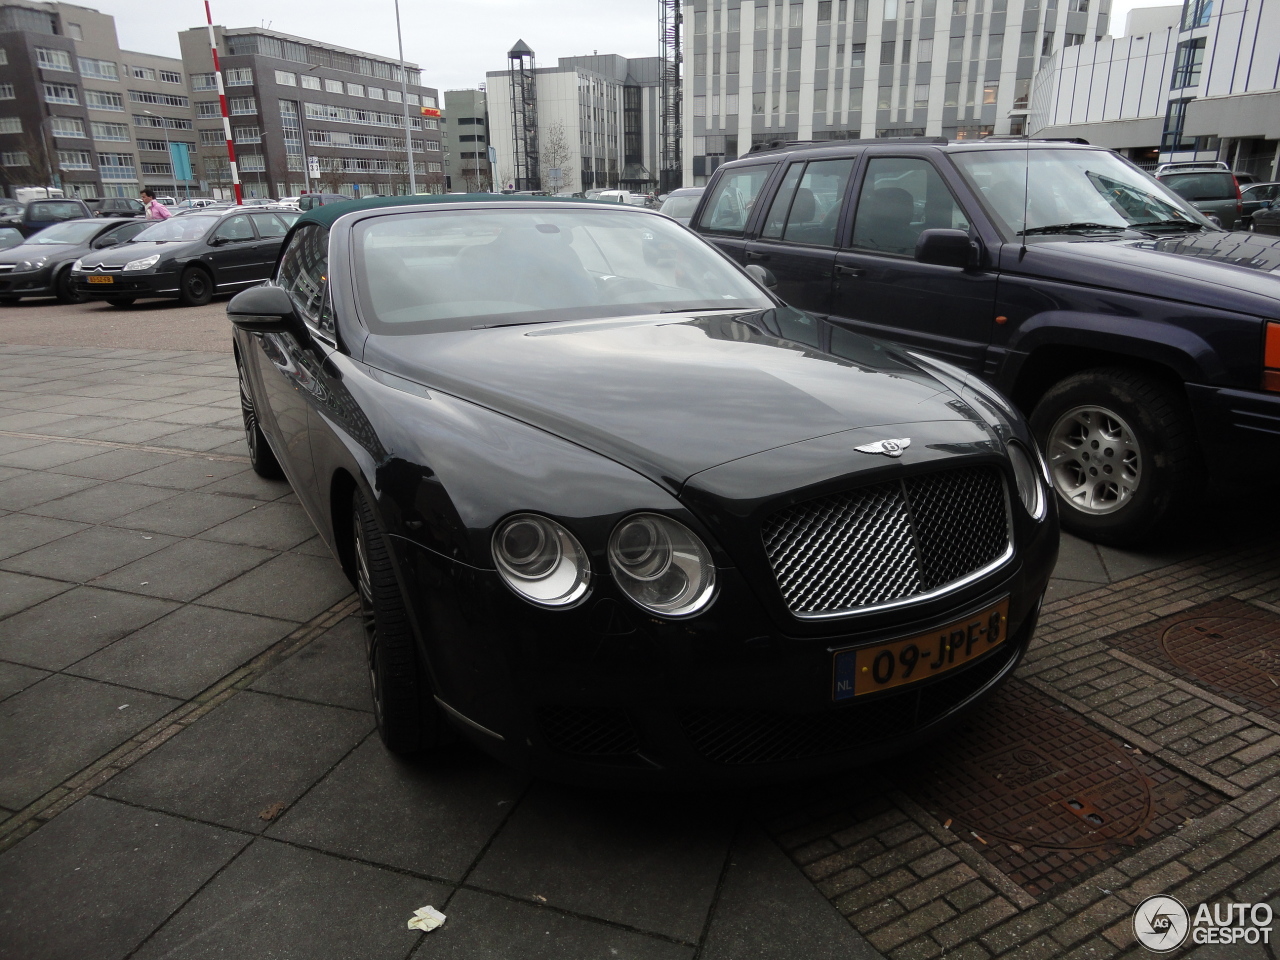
[[252, 162], [208, 109], [102, 100], [165, 99], [286, 79], [4, 57], [48, 59], [14, 158], [243, 106], [1186, 68], [922, 94], [6, 91], [239, 77], [310, 82], [924, 50], [1175, 119], [886, 51], [990, 92], [60, 93], [355, 90], [333, 86], [1017, 126], [157, 169], [159, 145], [1196, 13], [858, 55], [434, 168], [116, 166], [247, 134], [796, 18], [74, 31], [170, 76], [109, 131], [143, 73], [955, 51], [393, 96], [1072, 39], [98, 69], [212, 138], [824, 11], [375, 93], [731, 104], [699, 106], [204, 81], [75, 160], [1046, 43], [735, 20], [168, 122], [435, 144], [13, 125]]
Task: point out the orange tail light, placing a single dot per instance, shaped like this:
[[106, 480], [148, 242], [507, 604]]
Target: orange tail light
[[1271, 358]]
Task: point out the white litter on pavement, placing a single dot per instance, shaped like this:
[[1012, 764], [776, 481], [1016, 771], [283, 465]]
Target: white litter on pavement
[[426, 919]]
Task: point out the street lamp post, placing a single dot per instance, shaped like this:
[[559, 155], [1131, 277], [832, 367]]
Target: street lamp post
[[404, 100], [50, 146]]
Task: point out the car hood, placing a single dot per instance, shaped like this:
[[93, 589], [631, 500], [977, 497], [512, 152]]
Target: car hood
[[118, 256], [34, 251], [1243, 267], [672, 395]]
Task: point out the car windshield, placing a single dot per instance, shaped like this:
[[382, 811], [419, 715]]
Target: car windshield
[[54, 210], [177, 228], [1071, 191], [1202, 185], [454, 270], [74, 232], [680, 206]]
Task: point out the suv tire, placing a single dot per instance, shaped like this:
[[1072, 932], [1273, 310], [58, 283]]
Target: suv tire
[[1121, 450], [409, 720]]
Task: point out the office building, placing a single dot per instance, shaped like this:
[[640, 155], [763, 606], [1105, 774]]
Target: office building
[[309, 116], [756, 71], [1193, 82], [79, 113], [589, 122], [466, 141]]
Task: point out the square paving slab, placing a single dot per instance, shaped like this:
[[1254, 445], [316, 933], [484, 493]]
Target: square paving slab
[[185, 570], [332, 669], [89, 553]]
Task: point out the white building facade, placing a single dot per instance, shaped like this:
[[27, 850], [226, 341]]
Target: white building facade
[[757, 71], [1191, 82], [597, 124]]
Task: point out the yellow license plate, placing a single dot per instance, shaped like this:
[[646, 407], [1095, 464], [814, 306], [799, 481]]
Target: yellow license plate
[[102, 279], [889, 665]]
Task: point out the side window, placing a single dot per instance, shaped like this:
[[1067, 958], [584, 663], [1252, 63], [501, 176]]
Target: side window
[[128, 231], [782, 202], [901, 198], [731, 201], [269, 225], [235, 228], [304, 274], [815, 212]]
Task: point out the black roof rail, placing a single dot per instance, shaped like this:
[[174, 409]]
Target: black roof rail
[[796, 144], [1013, 139]]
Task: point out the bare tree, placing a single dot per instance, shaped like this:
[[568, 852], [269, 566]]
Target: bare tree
[[556, 153]]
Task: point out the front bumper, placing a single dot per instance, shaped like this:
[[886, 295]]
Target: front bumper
[[141, 283], [607, 694], [28, 283], [1243, 424]]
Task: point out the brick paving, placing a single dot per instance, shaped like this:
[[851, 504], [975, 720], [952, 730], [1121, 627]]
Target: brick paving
[[186, 737]]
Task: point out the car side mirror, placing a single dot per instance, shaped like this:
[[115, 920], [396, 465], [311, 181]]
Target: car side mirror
[[763, 276], [265, 309], [947, 248], [106, 242]]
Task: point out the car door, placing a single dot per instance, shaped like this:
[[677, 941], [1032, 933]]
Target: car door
[[880, 288], [233, 252], [271, 230], [728, 206], [797, 241]]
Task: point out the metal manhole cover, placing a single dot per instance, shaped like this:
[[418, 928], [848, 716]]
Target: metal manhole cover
[[1045, 796], [1226, 645]]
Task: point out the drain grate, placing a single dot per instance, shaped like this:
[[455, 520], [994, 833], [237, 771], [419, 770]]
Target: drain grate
[[1045, 796], [1227, 645]]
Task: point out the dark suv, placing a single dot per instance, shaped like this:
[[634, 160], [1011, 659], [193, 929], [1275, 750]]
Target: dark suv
[[1142, 338]]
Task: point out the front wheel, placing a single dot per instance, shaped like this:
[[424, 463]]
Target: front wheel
[[64, 290], [1121, 451], [409, 721], [195, 289], [261, 457]]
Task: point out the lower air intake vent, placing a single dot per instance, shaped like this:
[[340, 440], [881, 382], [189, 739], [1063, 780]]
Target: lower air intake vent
[[588, 731]]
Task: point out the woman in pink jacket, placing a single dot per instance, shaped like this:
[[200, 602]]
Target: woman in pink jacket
[[155, 209]]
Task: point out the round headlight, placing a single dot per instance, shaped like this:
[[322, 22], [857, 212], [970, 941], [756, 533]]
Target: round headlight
[[1027, 477], [662, 565], [541, 560]]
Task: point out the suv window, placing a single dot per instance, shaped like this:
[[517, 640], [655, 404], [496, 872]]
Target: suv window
[[1201, 186], [901, 197], [731, 201], [303, 270], [806, 208]]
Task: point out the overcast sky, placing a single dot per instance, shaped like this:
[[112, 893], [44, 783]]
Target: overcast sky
[[454, 42]]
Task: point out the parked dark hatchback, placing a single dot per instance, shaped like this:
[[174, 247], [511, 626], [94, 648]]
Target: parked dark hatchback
[[1132, 329], [1254, 198], [613, 512], [1267, 220], [41, 266], [190, 257], [38, 214], [117, 207]]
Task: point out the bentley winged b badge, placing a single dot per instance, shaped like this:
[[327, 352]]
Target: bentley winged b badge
[[890, 448]]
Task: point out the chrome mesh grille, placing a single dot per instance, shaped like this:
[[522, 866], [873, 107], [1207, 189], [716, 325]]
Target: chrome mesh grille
[[888, 541]]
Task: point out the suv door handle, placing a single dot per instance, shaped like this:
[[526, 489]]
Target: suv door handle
[[843, 271], [757, 255]]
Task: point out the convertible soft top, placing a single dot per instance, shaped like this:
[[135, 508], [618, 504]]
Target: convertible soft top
[[330, 212]]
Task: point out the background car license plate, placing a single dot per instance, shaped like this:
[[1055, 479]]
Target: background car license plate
[[892, 664], [102, 279]]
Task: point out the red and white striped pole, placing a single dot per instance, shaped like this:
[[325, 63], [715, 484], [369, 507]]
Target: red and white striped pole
[[222, 99]]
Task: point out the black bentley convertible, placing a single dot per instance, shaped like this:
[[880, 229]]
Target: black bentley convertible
[[616, 512]]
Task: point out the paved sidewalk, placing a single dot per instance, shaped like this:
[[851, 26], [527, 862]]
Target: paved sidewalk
[[188, 766]]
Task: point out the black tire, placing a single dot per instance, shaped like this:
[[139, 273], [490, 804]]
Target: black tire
[[409, 720], [1151, 420], [121, 301], [195, 289], [261, 457], [64, 290]]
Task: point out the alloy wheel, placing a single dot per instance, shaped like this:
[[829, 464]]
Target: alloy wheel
[[364, 589], [1095, 460], [250, 415]]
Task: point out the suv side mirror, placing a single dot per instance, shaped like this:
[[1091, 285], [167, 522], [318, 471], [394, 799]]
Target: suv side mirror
[[947, 248], [763, 276], [265, 309]]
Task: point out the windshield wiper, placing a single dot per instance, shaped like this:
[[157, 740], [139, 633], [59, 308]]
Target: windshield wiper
[[1070, 228], [1173, 222]]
